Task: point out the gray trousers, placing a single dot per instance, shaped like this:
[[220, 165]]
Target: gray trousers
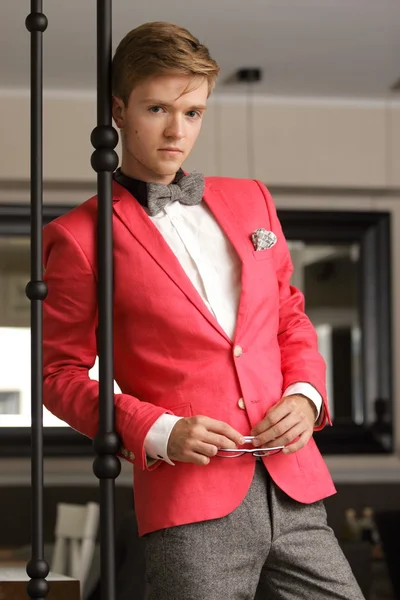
[[270, 548]]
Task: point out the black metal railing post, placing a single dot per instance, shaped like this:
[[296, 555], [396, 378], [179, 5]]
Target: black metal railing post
[[36, 290], [104, 161]]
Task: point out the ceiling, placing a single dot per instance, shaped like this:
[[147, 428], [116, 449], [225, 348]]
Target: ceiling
[[336, 48]]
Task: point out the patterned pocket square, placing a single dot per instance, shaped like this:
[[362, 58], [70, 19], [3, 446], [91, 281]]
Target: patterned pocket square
[[263, 239]]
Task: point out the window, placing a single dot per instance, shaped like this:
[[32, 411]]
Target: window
[[9, 402]]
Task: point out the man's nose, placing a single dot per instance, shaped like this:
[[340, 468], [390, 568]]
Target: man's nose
[[175, 128]]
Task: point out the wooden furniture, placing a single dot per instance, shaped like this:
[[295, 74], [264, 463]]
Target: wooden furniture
[[13, 581]]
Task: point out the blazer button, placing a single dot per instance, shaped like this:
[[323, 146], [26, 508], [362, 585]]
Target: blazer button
[[241, 403], [131, 456], [124, 452], [238, 351]]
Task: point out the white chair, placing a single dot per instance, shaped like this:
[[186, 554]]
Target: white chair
[[75, 540]]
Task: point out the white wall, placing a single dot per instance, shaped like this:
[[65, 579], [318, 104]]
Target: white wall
[[289, 144], [303, 142]]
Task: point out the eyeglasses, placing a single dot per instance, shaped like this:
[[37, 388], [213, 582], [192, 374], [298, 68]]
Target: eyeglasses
[[235, 452]]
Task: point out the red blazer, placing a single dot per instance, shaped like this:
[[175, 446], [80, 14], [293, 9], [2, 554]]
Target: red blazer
[[172, 356]]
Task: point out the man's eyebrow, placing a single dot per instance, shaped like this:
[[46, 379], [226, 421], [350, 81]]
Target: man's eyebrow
[[156, 102]]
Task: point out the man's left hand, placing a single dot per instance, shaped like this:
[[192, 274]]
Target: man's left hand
[[289, 423]]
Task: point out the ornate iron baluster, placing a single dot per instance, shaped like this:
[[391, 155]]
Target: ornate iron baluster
[[104, 161], [36, 290]]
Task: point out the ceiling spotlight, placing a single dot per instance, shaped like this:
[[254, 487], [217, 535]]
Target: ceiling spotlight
[[249, 75], [396, 86]]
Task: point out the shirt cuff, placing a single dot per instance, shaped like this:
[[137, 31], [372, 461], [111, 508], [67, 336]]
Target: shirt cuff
[[307, 390], [156, 441]]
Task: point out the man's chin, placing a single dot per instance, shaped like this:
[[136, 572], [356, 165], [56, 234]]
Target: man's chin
[[168, 167]]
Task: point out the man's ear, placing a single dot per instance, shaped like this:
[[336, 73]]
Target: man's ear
[[118, 111]]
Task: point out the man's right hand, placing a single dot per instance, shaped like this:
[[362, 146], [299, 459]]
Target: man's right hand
[[196, 439]]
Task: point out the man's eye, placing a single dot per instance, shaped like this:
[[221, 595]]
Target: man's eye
[[155, 109]]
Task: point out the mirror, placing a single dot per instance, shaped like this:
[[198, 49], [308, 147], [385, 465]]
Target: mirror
[[342, 265], [328, 275], [15, 337]]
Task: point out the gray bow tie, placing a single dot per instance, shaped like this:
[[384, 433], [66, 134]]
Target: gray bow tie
[[189, 190]]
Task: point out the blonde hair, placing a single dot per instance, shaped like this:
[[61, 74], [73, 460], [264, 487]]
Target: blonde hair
[[159, 48]]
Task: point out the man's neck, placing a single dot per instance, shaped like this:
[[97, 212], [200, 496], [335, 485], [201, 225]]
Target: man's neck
[[142, 174]]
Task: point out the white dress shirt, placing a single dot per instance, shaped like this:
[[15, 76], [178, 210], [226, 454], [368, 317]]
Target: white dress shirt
[[214, 268]]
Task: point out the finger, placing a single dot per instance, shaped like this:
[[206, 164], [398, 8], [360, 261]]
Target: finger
[[199, 455], [298, 444], [276, 431], [205, 449], [290, 436], [273, 416], [219, 441], [197, 459], [202, 453], [201, 460], [214, 426]]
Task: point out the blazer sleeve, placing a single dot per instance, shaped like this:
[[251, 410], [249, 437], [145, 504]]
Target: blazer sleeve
[[70, 318], [297, 337]]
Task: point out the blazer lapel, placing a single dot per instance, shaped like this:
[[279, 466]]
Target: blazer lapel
[[135, 218], [221, 207]]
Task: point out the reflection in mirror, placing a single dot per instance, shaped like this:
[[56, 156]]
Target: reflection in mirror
[[342, 263], [15, 340], [328, 275]]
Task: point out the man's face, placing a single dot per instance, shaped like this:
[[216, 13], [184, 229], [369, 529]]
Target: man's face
[[160, 125]]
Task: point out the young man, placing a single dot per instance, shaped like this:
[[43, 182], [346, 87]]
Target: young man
[[211, 346]]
